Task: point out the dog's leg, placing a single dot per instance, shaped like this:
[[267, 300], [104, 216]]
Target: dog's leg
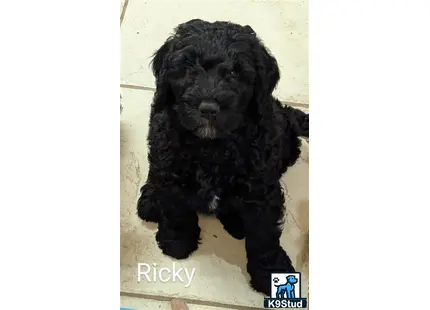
[[178, 230], [148, 205], [288, 291], [284, 293], [263, 219], [233, 223], [280, 292]]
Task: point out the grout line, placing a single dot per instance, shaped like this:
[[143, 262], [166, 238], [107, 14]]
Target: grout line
[[137, 87], [124, 8], [293, 104], [187, 300]]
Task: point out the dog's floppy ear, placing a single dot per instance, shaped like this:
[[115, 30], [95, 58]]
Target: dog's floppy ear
[[267, 71], [159, 56], [267, 76], [163, 94], [267, 66]]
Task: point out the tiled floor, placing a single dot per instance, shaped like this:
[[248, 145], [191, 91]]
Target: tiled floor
[[220, 278], [151, 304]]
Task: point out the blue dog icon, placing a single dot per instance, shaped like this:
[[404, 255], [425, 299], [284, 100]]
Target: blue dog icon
[[287, 290]]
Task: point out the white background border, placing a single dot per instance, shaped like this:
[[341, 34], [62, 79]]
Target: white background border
[[369, 65], [59, 164]]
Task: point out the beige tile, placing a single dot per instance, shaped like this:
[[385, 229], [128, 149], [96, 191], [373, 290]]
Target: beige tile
[[143, 304], [136, 303], [283, 26], [220, 261]]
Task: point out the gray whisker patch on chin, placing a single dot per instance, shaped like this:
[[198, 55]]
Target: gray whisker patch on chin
[[207, 132]]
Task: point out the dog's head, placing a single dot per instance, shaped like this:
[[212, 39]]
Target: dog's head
[[214, 76], [292, 279]]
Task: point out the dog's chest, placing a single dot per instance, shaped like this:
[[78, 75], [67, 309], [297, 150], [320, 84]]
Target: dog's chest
[[213, 204], [210, 167], [211, 181], [209, 172], [209, 188]]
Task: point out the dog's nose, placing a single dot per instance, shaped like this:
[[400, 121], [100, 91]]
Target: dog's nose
[[209, 108]]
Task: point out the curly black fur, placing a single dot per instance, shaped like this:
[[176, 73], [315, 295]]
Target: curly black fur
[[228, 162]]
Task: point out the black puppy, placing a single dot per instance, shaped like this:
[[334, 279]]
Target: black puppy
[[219, 143]]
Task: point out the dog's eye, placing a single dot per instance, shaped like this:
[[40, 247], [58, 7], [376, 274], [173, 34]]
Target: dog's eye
[[233, 73]]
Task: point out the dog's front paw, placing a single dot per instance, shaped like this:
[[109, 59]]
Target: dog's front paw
[[148, 208], [177, 244], [261, 268]]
